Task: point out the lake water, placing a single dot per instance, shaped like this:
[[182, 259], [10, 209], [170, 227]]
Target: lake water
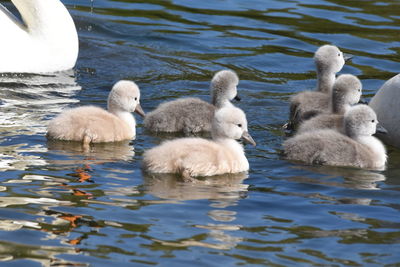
[[64, 207]]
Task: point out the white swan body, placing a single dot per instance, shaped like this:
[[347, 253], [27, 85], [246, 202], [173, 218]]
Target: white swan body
[[46, 40], [386, 103]]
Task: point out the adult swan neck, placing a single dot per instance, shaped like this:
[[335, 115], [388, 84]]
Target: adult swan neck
[[45, 41]]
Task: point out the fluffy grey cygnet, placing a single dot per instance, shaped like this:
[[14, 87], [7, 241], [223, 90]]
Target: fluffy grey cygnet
[[192, 157], [357, 148], [328, 60], [89, 124], [346, 92], [193, 115]]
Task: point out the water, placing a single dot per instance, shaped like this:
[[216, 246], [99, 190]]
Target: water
[[61, 206]]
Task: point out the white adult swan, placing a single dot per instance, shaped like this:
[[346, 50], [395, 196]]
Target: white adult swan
[[46, 40], [386, 104]]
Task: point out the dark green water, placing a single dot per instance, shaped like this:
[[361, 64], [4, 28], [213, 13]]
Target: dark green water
[[60, 206]]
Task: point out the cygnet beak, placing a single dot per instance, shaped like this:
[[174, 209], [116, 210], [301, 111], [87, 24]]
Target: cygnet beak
[[347, 57], [139, 110], [247, 138], [363, 101], [237, 98], [380, 129]]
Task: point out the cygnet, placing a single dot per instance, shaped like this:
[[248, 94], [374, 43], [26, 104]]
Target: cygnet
[[193, 115], [89, 124], [346, 92], [193, 157], [328, 60], [386, 104], [357, 148]]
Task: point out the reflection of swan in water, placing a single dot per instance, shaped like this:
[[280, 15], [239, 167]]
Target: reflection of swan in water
[[352, 178], [97, 153], [46, 40], [25, 101], [223, 191], [228, 187]]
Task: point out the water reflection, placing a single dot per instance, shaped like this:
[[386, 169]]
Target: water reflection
[[73, 152], [352, 178], [45, 255], [26, 101], [223, 191], [348, 178]]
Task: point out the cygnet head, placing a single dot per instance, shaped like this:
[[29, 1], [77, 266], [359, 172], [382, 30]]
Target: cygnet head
[[230, 122], [360, 120], [224, 87], [125, 97], [329, 59], [347, 91]]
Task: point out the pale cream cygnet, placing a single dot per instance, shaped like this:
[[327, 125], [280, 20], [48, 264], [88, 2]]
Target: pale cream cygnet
[[193, 115], [192, 157], [328, 60], [346, 93], [357, 148], [90, 124]]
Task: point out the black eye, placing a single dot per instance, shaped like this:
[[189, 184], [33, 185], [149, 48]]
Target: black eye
[[135, 98], [338, 55], [373, 121], [239, 125], [359, 90]]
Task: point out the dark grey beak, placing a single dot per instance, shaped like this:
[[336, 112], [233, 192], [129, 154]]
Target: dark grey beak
[[363, 101], [139, 110], [380, 129], [237, 98], [248, 139], [347, 57]]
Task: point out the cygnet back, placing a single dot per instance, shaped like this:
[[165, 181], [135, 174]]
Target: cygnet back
[[191, 157], [193, 115], [358, 148], [328, 60], [346, 92]]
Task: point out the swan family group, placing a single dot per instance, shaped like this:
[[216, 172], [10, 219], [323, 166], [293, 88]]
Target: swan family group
[[330, 127]]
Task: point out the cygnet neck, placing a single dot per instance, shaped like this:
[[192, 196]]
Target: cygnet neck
[[220, 98], [126, 116], [339, 106], [222, 102], [325, 79]]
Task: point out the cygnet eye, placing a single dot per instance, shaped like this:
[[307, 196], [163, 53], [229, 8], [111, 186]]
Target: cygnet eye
[[239, 125]]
